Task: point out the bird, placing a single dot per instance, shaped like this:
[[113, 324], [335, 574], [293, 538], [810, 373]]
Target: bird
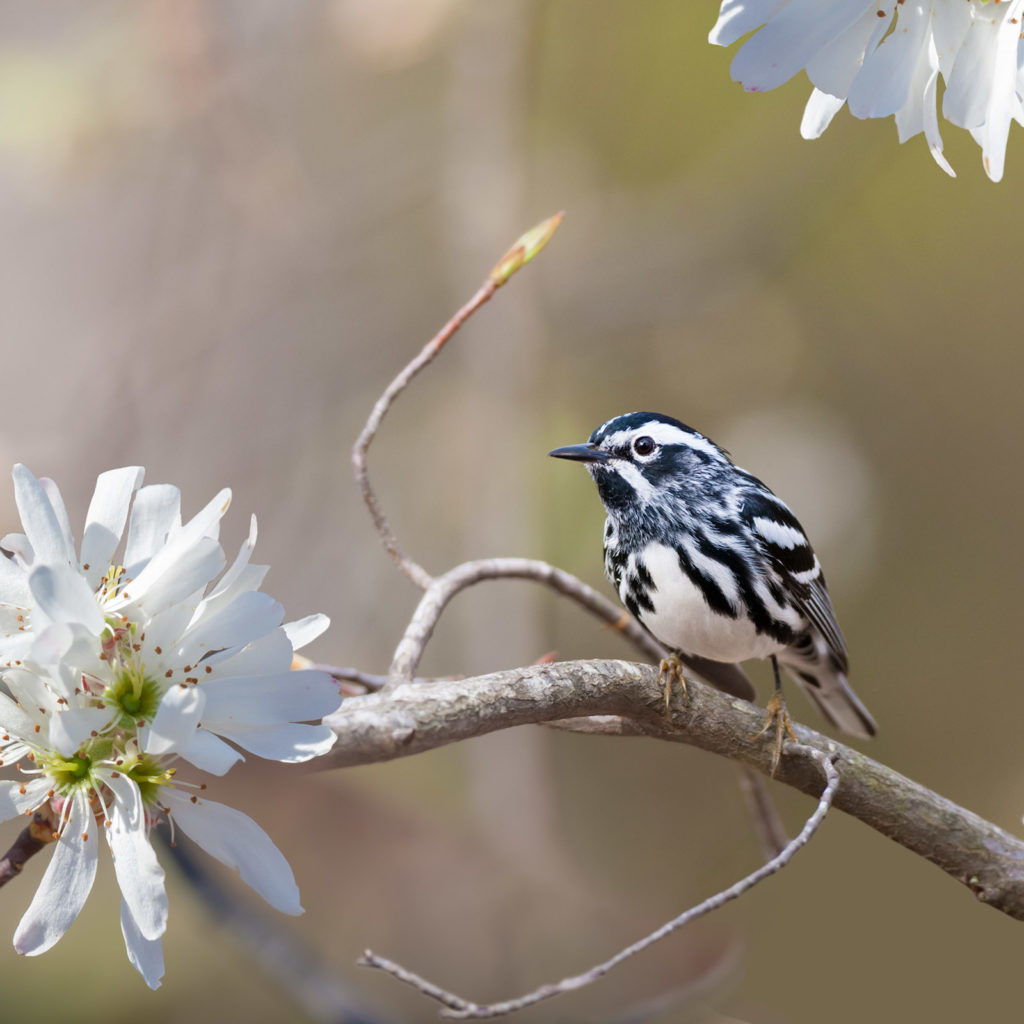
[[714, 565]]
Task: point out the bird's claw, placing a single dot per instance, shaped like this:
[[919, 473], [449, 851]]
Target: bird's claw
[[779, 715], [669, 671]]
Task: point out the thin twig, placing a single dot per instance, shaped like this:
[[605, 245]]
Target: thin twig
[[367, 680], [522, 251], [442, 589], [726, 677], [983, 857], [462, 1009], [427, 354]]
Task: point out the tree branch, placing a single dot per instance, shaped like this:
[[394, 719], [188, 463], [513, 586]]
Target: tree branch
[[415, 718]]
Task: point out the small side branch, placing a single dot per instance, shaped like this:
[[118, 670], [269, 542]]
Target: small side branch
[[30, 841], [525, 248], [441, 590], [462, 1009], [427, 355]]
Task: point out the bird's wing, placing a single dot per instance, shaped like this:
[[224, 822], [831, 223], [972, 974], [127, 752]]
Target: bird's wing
[[783, 542]]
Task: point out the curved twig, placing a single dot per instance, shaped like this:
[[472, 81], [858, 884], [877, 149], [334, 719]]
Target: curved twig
[[427, 354], [442, 589], [462, 1009], [728, 678], [522, 251]]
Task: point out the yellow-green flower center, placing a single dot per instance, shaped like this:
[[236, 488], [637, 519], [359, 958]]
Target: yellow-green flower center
[[68, 772], [149, 774], [135, 694]]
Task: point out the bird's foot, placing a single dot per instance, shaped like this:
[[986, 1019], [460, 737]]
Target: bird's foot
[[669, 671], [779, 716]]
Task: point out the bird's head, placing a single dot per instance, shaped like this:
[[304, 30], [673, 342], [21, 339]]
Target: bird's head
[[639, 459]]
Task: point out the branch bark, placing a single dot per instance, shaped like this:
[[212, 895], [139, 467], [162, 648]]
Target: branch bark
[[414, 718]]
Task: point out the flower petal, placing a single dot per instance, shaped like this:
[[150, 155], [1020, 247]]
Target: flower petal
[[818, 114], [70, 729], [978, 69], [166, 581], [14, 588], [61, 513], [168, 625], [65, 885], [225, 583], [138, 871], [209, 753], [32, 693], [41, 522], [60, 653], [238, 842], [790, 39], [290, 743], [271, 653], [146, 955], [22, 797], [882, 86], [15, 721], [835, 66], [155, 513], [62, 595], [184, 556], [304, 631], [104, 522], [250, 615], [738, 17], [176, 719], [271, 699]]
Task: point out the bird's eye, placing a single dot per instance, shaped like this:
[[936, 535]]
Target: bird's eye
[[643, 445]]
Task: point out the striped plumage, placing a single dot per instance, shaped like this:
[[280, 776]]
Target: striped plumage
[[711, 562]]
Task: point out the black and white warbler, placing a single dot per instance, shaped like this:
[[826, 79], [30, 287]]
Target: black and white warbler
[[712, 563]]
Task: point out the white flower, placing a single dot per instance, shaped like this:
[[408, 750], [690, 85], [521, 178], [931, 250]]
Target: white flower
[[884, 58], [115, 669], [81, 785], [104, 784], [190, 662]]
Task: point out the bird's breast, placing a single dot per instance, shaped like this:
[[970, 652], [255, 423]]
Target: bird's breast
[[656, 589]]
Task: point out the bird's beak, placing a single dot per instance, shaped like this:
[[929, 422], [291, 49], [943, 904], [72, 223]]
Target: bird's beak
[[581, 453]]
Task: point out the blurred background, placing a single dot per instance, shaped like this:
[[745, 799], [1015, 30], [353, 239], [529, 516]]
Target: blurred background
[[229, 224]]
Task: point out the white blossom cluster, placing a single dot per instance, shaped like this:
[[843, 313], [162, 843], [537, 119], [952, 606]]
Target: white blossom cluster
[[883, 58], [126, 663]]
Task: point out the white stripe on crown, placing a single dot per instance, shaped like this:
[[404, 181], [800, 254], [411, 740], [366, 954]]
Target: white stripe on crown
[[662, 433]]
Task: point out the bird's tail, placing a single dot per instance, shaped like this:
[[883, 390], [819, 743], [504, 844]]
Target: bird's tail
[[825, 684]]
